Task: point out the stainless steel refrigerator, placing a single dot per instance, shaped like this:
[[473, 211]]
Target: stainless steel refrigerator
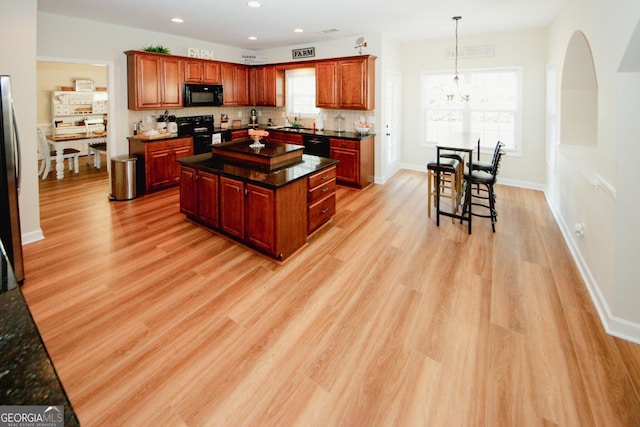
[[10, 181]]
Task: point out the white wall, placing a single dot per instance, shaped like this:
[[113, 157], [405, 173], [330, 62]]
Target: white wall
[[526, 48], [600, 190], [17, 58]]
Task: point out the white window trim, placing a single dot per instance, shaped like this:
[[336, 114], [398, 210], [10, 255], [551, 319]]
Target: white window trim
[[513, 151]]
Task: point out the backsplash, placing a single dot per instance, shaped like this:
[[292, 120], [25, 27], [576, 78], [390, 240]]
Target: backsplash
[[328, 119]]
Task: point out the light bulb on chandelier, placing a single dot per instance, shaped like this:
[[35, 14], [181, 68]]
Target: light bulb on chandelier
[[456, 78]]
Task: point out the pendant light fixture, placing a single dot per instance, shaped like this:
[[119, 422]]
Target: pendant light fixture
[[456, 77]]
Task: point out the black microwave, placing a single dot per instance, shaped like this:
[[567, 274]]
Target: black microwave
[[198, 95]]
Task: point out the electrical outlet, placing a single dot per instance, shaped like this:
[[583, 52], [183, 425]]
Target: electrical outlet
[[579, 229], [239, 113]]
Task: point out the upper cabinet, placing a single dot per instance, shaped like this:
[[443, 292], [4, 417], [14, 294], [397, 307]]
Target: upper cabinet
[[201, 71], [154, 80], [235, 83], [266, 86], [346, 83]]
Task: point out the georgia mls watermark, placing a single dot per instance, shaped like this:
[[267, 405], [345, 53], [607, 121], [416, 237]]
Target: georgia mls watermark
[[32, 416]]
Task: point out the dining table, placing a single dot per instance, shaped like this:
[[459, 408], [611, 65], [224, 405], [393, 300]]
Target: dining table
[[61, 141], [465, 143]]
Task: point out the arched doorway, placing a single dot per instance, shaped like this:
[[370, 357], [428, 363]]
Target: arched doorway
[[579, 95]]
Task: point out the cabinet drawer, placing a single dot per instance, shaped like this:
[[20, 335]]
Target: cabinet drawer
[[165, 145], [321, 177], [344, 143], [317, 193], [321, 211], [239, 134]]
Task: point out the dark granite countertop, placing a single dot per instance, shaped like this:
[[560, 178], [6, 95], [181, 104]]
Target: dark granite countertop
[[254, 174], [27, 376]]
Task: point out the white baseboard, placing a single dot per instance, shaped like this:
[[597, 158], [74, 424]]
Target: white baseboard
[[613, 325], [33, 236]]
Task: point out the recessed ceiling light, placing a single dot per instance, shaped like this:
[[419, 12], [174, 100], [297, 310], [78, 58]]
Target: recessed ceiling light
[[253, 38], [298, 30], [254, 4], [178, 20]]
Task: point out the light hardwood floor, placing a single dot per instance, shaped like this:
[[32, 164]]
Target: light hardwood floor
[[383, 319]]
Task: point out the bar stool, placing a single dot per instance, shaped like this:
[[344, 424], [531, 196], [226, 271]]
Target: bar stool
[[450, 181], [484, 181]]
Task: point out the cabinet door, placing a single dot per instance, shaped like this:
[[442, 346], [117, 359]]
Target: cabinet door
[[172, 77], [232, 207], [211, 72], [348, 169], [242, 85], [147, 84], [327, 84], [263, 86], [193, 71], [228, 76], [269, 91], [356, 89], [260, 214], [207, 198], [188, 191], [160, 168], [179, 152]]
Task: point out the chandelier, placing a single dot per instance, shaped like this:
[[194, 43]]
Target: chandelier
[[456, 77]]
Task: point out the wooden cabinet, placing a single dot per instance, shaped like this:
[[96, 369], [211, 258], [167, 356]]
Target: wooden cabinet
[[321, 198], [266, 86], [356, 161], [286, 137], [232, 207], [347, 83], [201, 71], [159, 160], [273, 221], [235, 83], [260, 218], [199, 195], [239, 134], [154, 80], [327, 84]]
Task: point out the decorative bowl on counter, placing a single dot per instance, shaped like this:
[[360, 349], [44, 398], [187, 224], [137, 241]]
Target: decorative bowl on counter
[[362, 127]]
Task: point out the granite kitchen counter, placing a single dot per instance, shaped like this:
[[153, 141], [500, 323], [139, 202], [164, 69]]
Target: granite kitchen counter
[[265, 177], [27, 376]]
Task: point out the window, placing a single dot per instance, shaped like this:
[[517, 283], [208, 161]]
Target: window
[[301, 92], [493, 111]]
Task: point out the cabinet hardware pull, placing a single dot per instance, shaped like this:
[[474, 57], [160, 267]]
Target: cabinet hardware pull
[[325, 189], [325, 210], [325, 177]]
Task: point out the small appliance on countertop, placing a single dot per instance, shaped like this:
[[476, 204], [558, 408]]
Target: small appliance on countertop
[[253, 120]]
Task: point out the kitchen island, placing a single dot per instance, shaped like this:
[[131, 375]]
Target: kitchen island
[[268, 198]]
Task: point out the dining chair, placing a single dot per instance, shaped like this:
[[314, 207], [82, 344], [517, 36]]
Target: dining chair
[[487, 198], [487, 166], [450, 170], [95, 149], [47, 154]]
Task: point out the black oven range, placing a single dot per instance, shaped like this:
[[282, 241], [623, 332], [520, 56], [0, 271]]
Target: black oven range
[[200, 128]]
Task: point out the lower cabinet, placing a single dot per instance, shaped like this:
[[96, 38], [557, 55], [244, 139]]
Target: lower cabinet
[[356, 161], [273, 221], [159, 160], [321, 198], [286, 137], [199, 195]]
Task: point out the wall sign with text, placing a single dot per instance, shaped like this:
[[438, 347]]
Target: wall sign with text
[[305, 52]]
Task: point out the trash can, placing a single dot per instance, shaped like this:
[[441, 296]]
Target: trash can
[[123, 178]]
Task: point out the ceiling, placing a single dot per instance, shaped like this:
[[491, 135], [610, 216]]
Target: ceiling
[[231, 22]]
